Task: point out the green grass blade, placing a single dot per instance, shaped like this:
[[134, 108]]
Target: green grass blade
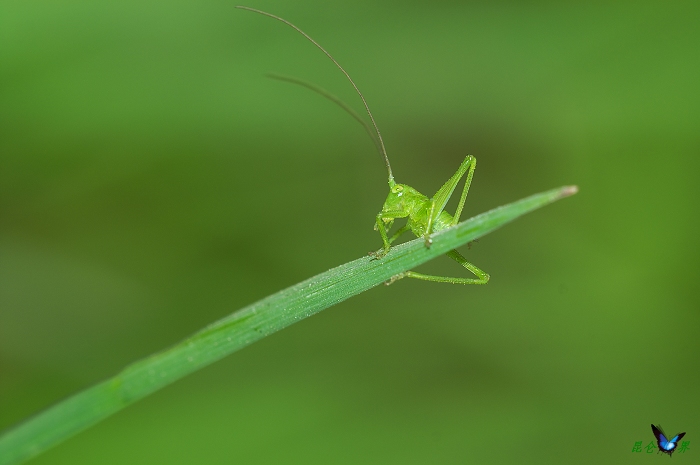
[[244, 327]]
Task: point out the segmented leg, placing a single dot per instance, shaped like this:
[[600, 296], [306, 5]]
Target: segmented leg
[[441, 197], [465, 191], [482, 278], [429, 227], [382, 231], [398, 233]]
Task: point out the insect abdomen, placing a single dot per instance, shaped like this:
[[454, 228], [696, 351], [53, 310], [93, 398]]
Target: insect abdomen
[[443, 221], [418, 222]]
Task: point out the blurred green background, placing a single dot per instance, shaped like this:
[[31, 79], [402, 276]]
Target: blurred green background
[[152, 181]]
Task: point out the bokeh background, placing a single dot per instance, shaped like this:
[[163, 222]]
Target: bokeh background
[[152, 180]]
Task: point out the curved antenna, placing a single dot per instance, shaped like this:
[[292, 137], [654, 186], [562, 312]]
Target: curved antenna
[[376, 128], [324, 93]]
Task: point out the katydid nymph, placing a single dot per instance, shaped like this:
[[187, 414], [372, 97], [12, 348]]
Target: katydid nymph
[[425, 216]]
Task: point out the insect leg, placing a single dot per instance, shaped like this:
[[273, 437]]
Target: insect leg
[[445, 192], [398, 233], [483, 278], [381, 227], [467, 183], [442, 196], [429, 227]]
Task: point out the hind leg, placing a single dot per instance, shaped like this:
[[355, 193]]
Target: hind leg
[[481, 277]]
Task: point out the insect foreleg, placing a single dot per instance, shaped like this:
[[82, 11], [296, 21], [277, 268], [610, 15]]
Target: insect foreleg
[[482, 278], [381, 227]]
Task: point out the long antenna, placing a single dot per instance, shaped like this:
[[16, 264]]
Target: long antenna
[[334, 99], [376, 128]]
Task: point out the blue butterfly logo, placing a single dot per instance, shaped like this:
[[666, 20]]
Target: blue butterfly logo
[[667, 446]]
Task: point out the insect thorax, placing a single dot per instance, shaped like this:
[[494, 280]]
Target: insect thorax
[[415, 206]]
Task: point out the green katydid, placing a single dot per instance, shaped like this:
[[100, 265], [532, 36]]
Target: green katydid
[[425, 215]]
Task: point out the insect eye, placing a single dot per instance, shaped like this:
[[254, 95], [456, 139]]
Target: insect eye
[[397, 189]]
